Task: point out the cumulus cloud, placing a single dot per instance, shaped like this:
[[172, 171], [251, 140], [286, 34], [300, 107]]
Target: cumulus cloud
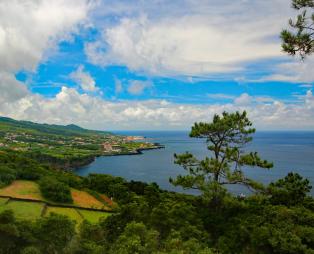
[[137, 87], [183, 41], [203, 38], [243, 100], [11, 89], [69, 106], [27, 30], [84, 79]]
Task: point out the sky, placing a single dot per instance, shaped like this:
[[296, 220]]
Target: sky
[[151, 65]]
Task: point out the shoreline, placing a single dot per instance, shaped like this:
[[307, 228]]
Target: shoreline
[[138, 151]]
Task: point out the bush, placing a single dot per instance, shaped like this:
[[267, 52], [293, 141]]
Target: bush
[[55, 190], [7, 175]]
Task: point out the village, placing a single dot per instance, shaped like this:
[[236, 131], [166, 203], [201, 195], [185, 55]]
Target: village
[[107, 144]]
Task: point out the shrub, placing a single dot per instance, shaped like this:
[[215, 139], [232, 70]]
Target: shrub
[[7, 175], [55, 190]]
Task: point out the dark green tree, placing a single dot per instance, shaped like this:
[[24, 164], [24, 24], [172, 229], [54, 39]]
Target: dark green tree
[[55, 190], [54, 233], [291, 190], [300, 40], [136, 238], [226, 137]]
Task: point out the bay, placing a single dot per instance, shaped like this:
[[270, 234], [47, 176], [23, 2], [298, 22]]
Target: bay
[[289, 151]]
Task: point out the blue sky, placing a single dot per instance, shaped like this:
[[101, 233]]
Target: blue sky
[[105, 64], [54, 73]]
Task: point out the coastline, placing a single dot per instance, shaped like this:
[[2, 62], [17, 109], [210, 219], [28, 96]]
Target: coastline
[[91, 159], [138, 151]]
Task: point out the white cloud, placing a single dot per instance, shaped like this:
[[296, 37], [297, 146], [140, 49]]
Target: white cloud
[[137, 87], [295, 71], [11, 89], [243, 100], [84, 79], [98, 113], [205, 37], [27, 30]]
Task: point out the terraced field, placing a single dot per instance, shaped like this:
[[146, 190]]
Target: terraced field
[[22, 189], [29, 190], [35, 205], [23, 209], [93, 216], [70, 212], [86, 200]]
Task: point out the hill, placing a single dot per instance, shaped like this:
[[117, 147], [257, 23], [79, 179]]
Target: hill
[[66, 130], [64, 146]]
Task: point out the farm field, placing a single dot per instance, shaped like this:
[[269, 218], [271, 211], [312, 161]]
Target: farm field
[[29, 190], [23, 209], [33, 210], [3, 201], [70, 212], [93, 216], [22, 189], [107, 200], [86, 200]]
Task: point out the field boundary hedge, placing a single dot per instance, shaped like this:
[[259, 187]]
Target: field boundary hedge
[[55, 205]]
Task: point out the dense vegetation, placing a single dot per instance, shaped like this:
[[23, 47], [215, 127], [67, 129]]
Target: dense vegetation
[[54, 190], [278, 218]]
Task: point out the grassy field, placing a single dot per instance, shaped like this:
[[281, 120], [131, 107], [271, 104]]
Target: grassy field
[[93, 216], [86, 200], [24, 210], [22, 189], [30, 190], [70, 212], [3, 201], [33, 210]]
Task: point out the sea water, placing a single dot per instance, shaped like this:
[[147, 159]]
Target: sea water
[[289, 151]]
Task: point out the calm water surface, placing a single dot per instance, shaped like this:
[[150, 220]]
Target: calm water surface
[[289, 151]]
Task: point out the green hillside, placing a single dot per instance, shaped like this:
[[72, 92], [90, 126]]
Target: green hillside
[[66, 130], [65, 147]]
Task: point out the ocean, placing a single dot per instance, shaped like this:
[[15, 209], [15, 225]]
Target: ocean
[[289, 151]]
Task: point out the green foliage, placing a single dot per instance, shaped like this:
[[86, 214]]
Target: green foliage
[[54, 232], [14, 165], [136, 238], [175, 245], [55, 190], [112, 186], [226, 137], [7, 175], [291, 190], [30, 250], [301, 39], [268, 229]]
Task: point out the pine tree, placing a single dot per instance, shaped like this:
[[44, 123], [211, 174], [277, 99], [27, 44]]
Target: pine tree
[[226, 138]]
